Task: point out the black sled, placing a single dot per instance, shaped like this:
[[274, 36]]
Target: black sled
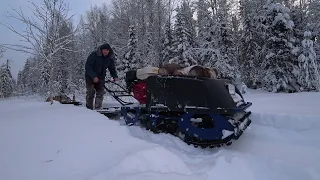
[[202, 112]]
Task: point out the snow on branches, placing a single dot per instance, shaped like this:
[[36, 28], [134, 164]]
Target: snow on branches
[[278, 61], [309, 77], [264, 43], [44, 36], [2, 50], [6, 81]]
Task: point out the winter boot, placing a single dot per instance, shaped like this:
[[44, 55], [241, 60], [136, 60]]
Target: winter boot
[[99, 100], [90, 96]]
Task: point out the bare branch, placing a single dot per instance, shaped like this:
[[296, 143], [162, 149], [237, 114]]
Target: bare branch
[[2, 50], [20, 48], [46, 33]]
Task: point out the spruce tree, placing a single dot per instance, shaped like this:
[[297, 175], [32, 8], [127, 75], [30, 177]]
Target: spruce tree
[[309, 76], [182, 40], [131, 59], [278, 61], [167, 51], [6, 80]]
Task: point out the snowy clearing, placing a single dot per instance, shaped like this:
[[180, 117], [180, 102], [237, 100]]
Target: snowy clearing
[[62, 142]]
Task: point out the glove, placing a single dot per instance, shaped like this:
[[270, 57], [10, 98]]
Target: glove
[[96, 80]]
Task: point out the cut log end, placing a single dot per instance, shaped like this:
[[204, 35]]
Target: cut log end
[[195, 71]]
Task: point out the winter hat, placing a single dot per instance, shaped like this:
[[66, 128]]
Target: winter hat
[[105, 46]]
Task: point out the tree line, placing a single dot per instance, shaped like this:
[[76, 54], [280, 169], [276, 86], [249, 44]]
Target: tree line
[[268, 44]]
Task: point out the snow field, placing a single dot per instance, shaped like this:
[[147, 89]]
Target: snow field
[[63, 142], [42, 141]]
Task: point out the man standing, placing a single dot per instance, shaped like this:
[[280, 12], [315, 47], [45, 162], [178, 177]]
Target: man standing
[[95, 72]]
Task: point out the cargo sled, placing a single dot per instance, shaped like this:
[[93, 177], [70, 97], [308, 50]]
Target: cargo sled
[[201, 111]]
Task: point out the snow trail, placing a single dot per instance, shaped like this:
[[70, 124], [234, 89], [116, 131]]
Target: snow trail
[[263, 143], [285, 139], [42, 141]]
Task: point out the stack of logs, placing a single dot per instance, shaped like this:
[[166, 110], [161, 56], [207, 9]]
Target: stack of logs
[[196, 70]]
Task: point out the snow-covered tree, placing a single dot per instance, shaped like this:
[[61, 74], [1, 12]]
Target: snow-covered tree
[[309, 77], [215, 43], [131, 58], [261, 38], [150, 56], [226, 38], [83, 45], [97, 23], [278, 62], [6, 80], [63, 64], [203, 18], [28, 78], [42, 36], [2, 50], [155, 22], [167, 51], [183, 38], [252, 42]]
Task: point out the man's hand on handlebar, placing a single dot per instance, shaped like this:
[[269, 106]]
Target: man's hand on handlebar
[[95, 80], [114, 80]]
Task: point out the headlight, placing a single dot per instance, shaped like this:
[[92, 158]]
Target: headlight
[[232, 89]]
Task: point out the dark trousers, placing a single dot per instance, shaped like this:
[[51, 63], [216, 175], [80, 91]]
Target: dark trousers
[[94, 89]]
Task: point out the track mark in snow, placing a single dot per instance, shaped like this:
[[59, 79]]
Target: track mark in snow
[[150, 162], [287, 148], [94, 148], [287, 121], [149, 175], [250, 167]]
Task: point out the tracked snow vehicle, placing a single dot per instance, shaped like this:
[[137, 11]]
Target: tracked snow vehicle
[[202, 112]]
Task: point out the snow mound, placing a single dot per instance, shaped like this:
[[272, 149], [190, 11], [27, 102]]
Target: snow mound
[[152, 162], [287, 121], [43, 141], [250, 168], [281, 103], [299, 111], [150, 159], [149, 176]]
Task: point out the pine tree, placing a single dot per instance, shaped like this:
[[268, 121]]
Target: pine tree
[[252, 41], [215, 39], [23, 77], [131, 59], [63, 64], [2, 50], [226, 40], [203, 19], [6, 80], [309, 77], [149, 57], [20, 87], [278, 62], [167, 53], [182, 40]]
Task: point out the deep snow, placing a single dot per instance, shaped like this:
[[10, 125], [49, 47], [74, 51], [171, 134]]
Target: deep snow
[[39, 141]]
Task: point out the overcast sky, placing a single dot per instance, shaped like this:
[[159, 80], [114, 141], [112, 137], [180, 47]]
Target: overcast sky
[[17, 59]]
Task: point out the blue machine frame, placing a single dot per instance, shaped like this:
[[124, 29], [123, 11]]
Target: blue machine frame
[[132, 113]]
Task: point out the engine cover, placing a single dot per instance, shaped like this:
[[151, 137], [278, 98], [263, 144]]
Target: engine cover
[[178, 93]]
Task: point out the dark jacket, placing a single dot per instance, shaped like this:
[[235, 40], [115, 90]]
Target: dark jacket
[[97, 65]]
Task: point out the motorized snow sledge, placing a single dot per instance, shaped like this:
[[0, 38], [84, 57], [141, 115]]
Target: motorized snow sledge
[[201, 111]]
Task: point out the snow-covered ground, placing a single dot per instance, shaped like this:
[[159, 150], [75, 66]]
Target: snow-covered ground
[[39, 141]]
